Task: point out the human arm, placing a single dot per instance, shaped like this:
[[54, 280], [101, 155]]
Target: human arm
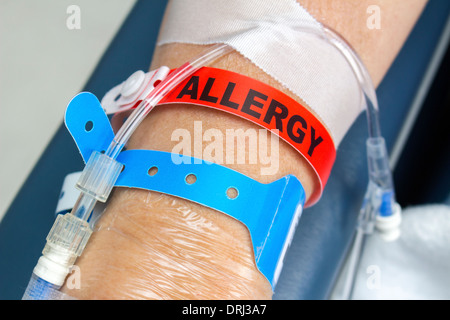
[[139, 222]]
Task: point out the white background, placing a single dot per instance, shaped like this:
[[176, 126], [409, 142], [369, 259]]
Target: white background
[[43, 64]]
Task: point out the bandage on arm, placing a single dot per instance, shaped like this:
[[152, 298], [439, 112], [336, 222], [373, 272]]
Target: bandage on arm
[[150, 245]]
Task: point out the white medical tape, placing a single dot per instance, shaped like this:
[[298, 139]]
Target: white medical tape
[[269, 34]]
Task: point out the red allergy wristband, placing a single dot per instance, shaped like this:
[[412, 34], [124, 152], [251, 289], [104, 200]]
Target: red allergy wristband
[[265, 106]]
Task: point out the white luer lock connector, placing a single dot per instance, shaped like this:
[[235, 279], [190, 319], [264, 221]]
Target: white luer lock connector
[[389, 226], [65, 242]]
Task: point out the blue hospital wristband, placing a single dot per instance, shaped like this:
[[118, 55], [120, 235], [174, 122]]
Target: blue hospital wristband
[[269, 211]]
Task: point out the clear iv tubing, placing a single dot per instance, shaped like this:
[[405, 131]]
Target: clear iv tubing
[[379, 198], [159, 92], [85, 203]]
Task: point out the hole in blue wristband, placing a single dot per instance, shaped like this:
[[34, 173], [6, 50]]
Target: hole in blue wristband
[[152, 171], [232, 193], [190, 178], [89, 126]]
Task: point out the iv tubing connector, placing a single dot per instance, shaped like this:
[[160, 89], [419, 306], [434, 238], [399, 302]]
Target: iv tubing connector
[[99, 176], [65, 242], [389, 226]]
